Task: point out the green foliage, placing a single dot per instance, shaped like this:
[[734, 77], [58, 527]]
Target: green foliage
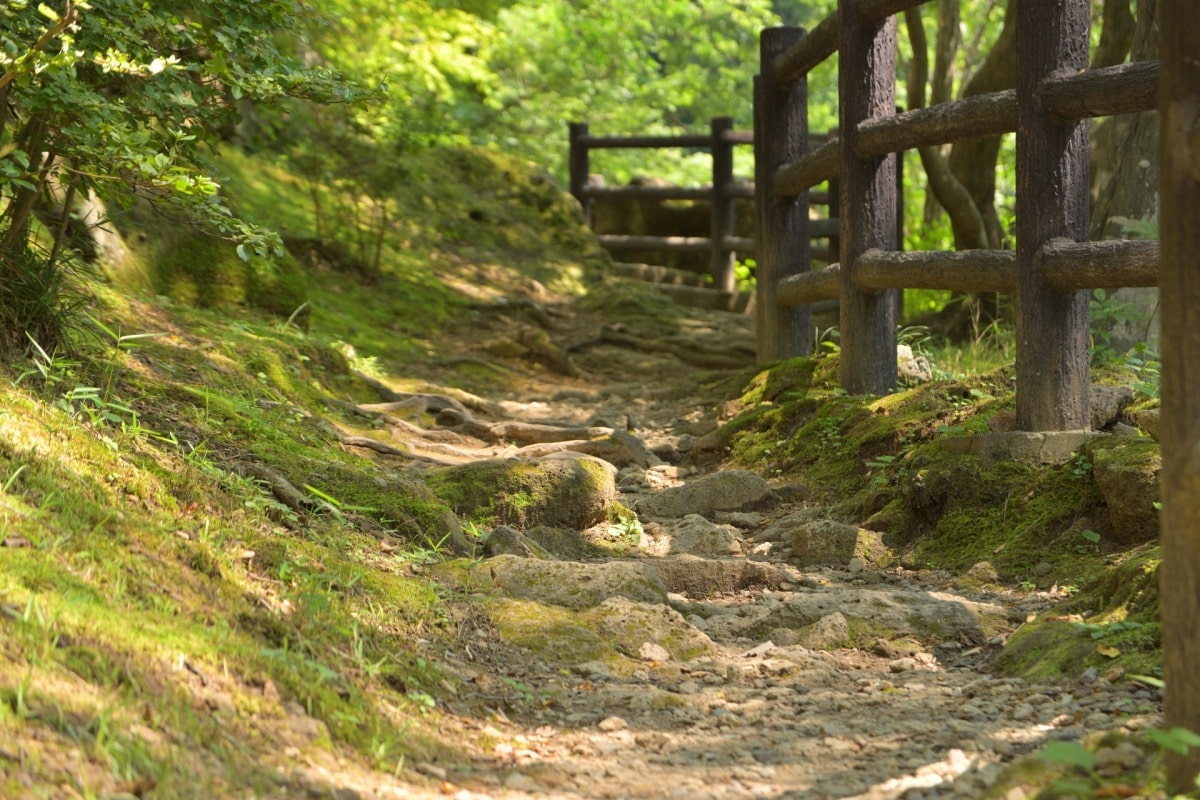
[[125, 99]]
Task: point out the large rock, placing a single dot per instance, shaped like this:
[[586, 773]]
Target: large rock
[[706, 577], [559, 492], [694, 535], [730, 490], [867, 614], [1126, 470], [629, 625], [1107, 403], [599, 635], [827, 543], [575, 584]]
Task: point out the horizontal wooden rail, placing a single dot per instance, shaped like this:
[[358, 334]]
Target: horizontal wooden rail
[[960, 271], [809, 287], [1123, 89], [823, 228], [816, 46], [673, 244], [738, 244], [981, 115], [649, 142], [815, 166], [1068, 266], [649, 192], [644, 142]]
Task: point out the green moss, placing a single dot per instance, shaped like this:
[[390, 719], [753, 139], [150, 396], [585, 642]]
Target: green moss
[[550, 632], [1115, 624], [526, 493]]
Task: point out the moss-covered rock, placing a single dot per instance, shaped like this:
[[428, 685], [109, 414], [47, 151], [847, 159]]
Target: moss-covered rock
[[576, 585], [1112, 621], [826, 542], [1126, 470], [556, 492]]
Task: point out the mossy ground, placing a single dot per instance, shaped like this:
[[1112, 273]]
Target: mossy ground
[[170, 624], [889, 464]]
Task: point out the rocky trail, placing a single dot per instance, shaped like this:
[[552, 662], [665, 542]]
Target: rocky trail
[[729, 642]]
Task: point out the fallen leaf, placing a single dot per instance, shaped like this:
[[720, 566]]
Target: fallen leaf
[[1108, 651]]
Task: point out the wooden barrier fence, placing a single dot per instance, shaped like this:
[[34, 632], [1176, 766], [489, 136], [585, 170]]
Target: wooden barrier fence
[[1052, 267], [721, 242]]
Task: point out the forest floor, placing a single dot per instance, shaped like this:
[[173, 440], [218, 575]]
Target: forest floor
[[500, 524]]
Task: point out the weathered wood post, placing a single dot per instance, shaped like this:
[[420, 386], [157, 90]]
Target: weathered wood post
[[579, 168], [867, 87], [899, 220], [780, 137], [834, 214], [722, 205], [1052, 202], [1179, 284]]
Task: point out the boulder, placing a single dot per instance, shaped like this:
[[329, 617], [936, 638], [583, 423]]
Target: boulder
[[825, 542], [706, 577], [1107, 403], [506, 540], [574, 584], [629, 626], [1126, 470], [573, 492], [1148, 421], [729, 490], [693, 535], [827, 633]]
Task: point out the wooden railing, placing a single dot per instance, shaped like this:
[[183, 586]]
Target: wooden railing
[[1052, 264], [721, 242]]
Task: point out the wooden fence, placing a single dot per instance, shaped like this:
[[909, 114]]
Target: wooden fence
[[1051, 267], [721, 194]]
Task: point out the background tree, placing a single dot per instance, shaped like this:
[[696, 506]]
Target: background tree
[[125, 99]]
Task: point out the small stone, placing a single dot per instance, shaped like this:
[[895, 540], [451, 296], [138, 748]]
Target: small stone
[[902, 665], [432, 770], [612, 724], [651, 651], [688, 687], [1022, 712], [519, 782], [1112, 761], [856, 564]]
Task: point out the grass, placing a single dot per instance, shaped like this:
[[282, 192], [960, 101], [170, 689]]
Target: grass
[[168, 623]]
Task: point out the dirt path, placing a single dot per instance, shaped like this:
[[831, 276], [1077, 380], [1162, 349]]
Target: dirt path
[[732, 673]]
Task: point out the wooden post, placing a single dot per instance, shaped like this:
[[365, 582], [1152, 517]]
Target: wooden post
[[1052, 202], [780, 137], [899, 221], [867, 87], [834, 214], [579, 168], [722, 205], [1179, 282]]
